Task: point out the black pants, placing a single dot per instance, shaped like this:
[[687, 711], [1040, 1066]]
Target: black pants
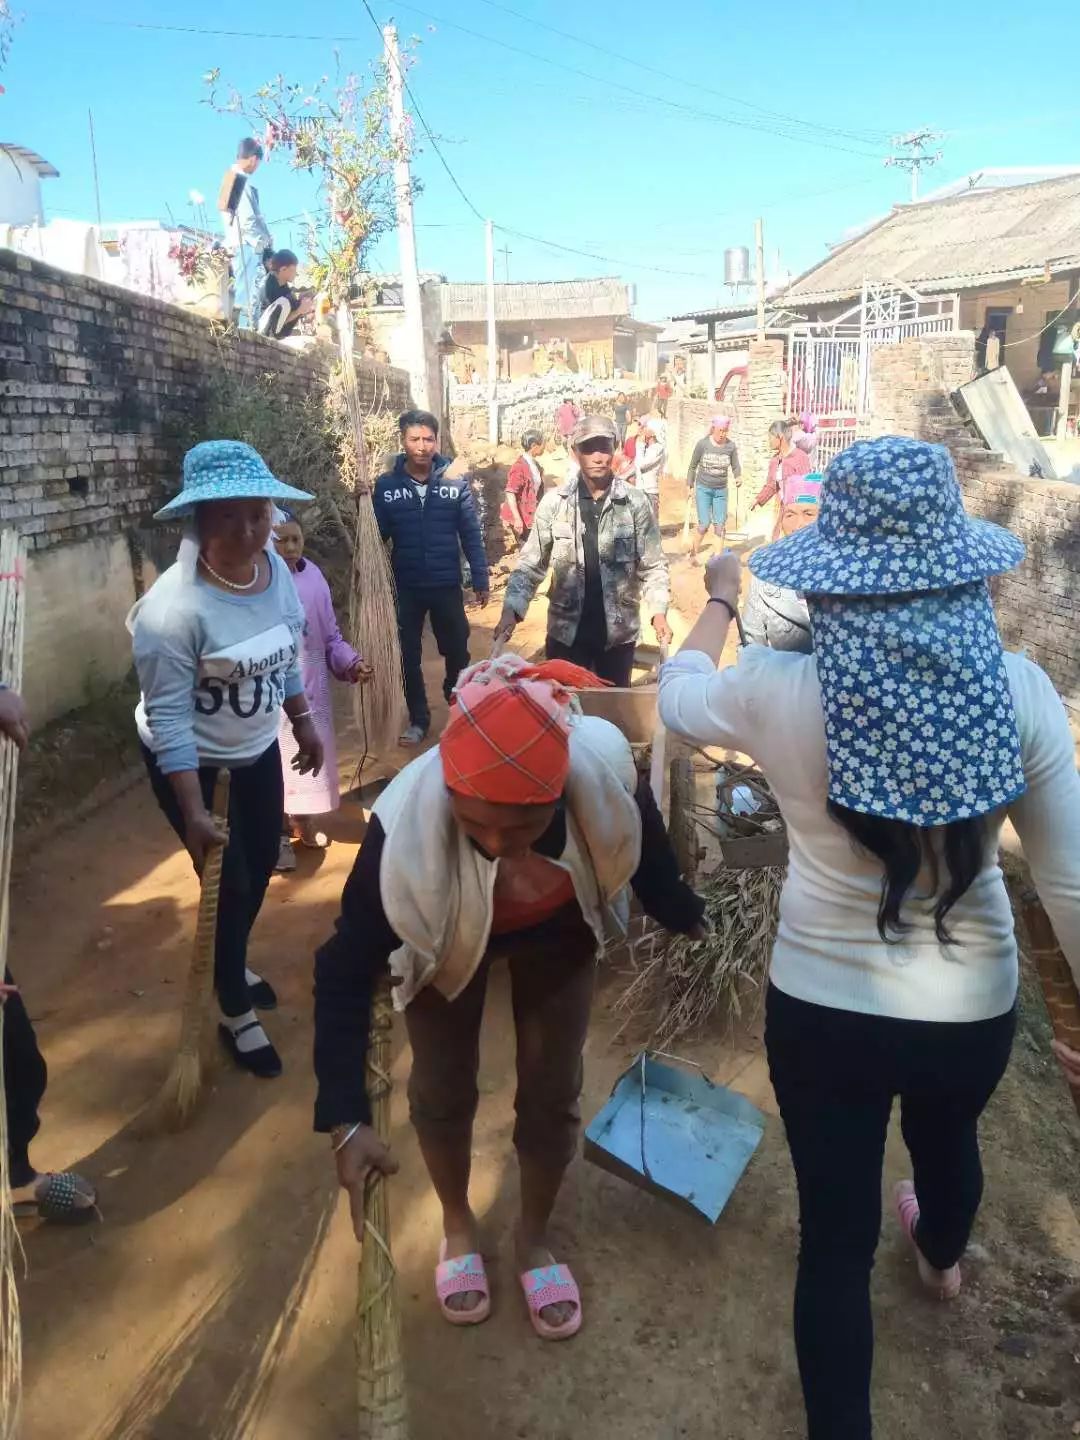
[[836, 1075], [616, 664], [256, 809], [450, 625], [25, 1077]]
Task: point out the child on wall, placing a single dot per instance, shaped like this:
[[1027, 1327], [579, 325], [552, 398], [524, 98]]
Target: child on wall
[[325, 653]]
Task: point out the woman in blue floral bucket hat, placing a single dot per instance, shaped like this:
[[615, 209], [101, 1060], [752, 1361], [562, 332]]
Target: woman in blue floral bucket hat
[[896, 750], [217, 649]]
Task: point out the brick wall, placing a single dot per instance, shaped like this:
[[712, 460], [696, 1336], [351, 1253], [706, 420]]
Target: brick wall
[[1038, 604], [911, 383], [98, 388], [761, 404]]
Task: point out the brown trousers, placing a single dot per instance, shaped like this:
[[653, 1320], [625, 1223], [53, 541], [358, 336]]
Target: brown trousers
[[552, 970]]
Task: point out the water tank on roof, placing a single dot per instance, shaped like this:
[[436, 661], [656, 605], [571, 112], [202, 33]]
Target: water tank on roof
[[737, 266]]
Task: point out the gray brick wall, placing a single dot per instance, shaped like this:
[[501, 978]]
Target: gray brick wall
[[1038, 605], [98, 387]]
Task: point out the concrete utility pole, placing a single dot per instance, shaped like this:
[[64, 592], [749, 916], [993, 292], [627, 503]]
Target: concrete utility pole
[[492, 338], [915, 142], [410, 277], [759, 241]]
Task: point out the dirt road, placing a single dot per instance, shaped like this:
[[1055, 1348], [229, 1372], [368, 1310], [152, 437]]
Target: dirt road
[[214, 1299]]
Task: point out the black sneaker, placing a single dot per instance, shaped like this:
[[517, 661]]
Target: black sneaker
[[263, 995], [264, 1062]]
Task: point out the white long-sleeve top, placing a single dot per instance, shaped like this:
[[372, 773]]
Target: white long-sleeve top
[[828, 950]]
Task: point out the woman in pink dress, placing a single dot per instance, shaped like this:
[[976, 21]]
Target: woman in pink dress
[[325, 653]]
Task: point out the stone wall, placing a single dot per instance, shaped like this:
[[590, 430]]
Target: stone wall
[[99, 391], [1038, 604], [761, 405], [531, 405]]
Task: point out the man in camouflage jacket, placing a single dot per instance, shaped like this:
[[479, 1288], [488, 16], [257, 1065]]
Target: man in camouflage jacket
[[601, 541]]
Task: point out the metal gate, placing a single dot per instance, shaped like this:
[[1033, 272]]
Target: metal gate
[[828, 363]]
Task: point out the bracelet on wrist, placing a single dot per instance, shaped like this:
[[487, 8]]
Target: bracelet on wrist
[[728, 606], [732, 611], [304, 715]]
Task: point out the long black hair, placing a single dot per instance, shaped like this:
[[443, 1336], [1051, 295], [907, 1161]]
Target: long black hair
[[903, 849]]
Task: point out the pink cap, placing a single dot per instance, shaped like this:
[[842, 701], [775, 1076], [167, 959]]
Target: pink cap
[[720, 422]]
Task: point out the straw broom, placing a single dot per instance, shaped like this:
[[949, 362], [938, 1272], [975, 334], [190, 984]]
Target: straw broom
[[12, 610], [1055, 977], [176, 1101], [373, 624], [380, 1366]]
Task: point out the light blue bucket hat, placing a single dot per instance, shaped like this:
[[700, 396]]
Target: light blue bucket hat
[[226, 470], [919, 718]]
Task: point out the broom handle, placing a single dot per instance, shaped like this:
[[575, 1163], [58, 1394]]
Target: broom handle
[[380, 1364], [201, 974], [1055, 977]]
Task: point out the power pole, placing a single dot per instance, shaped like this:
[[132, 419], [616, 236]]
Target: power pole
[[410, 276], [492, 337], [759, 241], [506, 252], [915, 144]]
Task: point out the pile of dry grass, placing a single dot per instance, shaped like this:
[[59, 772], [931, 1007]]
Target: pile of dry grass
[[678, 985]]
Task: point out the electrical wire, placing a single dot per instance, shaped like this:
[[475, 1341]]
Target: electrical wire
[[423, 123], [866, 136], [1027, 339], [608, 84]]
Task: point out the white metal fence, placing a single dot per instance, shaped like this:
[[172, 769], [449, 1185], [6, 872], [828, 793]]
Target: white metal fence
[[828, 363]]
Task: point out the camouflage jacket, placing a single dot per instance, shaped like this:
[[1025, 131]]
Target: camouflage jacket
[[632, 563]]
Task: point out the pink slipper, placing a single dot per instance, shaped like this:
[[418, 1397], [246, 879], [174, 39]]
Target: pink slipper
[[458, 1277], [945, 1284], [551, 1285]]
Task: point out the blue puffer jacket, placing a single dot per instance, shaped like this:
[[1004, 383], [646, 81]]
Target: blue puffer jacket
[[426, 536]]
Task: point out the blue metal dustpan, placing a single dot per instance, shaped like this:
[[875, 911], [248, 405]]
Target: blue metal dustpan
[[676, 1135]]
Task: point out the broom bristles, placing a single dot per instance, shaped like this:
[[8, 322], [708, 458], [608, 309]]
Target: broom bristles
[[176, 1102], [12, 614], [380, 1364], [373, 623]]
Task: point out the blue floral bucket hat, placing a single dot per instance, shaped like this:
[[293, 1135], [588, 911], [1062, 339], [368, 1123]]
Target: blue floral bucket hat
[[226, 470], [919, 718], [891, 522]]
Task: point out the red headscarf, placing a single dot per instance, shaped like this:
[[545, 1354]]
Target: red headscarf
[[508, 738]]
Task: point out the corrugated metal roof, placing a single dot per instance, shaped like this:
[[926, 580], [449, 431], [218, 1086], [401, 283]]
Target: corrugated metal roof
[[31, 158], [537, 300], [962, 241]]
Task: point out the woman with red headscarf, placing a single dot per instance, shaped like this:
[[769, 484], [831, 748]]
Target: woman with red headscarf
[[518, 839]]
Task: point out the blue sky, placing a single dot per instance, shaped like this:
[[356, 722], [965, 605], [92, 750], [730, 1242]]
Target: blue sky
[[654, 170]]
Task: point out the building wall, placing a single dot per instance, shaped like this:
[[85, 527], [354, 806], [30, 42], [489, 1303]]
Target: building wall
[[99, 389], [592, 342], [1038, 301], [20, 192], [1038, 604]]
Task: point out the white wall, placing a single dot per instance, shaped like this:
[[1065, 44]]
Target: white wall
[[77, 597], [20, 192]]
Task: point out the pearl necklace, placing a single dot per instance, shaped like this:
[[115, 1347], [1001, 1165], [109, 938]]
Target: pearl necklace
[[229, 584]]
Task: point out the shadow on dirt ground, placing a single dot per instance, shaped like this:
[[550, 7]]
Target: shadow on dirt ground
[[215, 1298]]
